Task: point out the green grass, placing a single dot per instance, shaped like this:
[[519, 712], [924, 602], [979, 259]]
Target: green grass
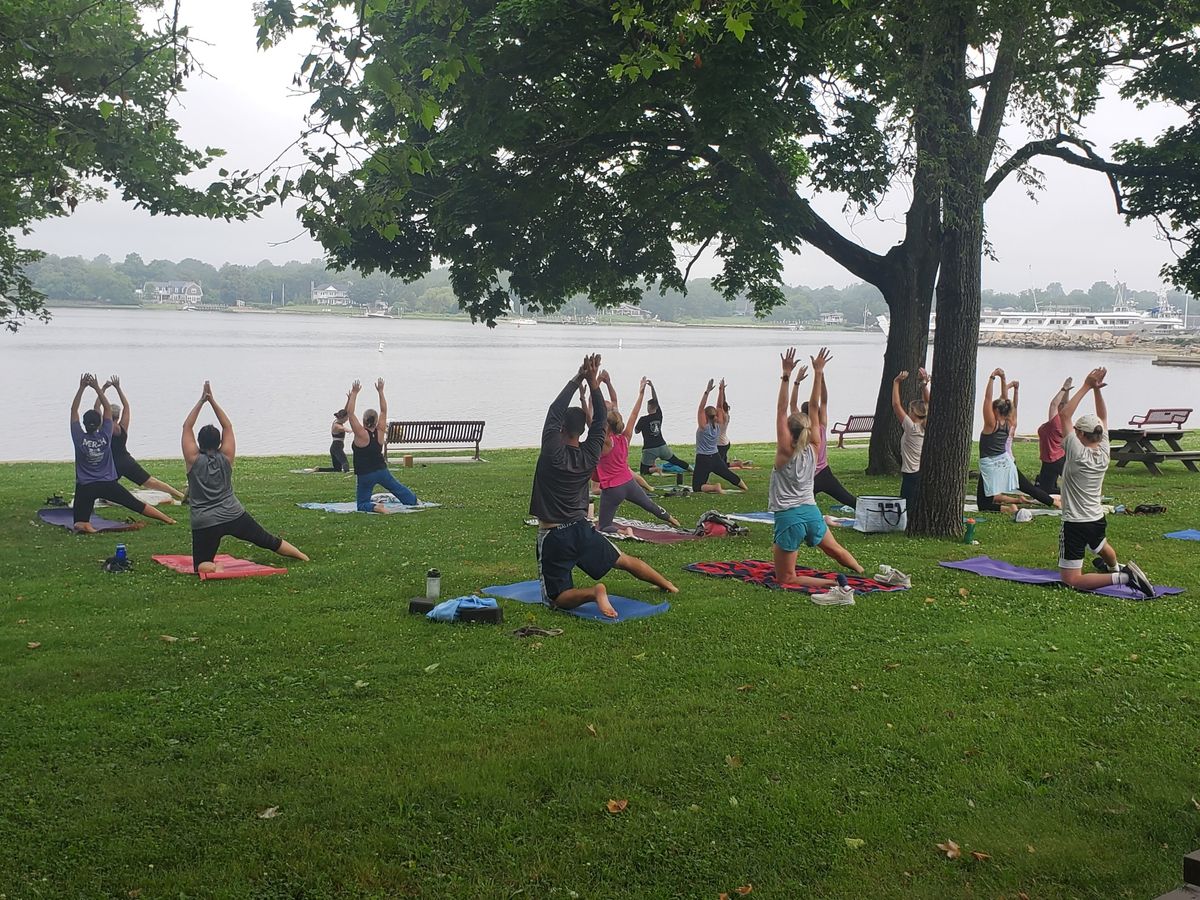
[[751, 732]]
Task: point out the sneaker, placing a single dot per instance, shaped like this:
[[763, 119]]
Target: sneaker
[[1137, 578], [888, 575], [1101, 566], [835, 596]]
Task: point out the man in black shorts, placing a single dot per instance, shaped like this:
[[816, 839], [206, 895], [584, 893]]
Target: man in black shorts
[[1084, 527], [566, 538]]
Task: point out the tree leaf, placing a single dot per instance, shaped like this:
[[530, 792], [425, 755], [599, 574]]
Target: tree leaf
[[269, 813], [591, 729], [951, 849], [431, 668], [168, 639], [980, 856], [854, 843], [616, 807], [33, 645]]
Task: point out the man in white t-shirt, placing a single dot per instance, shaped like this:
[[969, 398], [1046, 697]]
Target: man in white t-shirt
[[1083, 524]]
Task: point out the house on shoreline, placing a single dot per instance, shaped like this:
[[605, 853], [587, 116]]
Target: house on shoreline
[[184, 293]]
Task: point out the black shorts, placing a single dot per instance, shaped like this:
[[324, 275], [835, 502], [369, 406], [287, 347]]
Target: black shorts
[[561, 549], [1078, 538], [206, 541], [86, 496], [130, 468]]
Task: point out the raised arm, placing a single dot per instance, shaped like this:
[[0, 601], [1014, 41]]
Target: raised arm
[[636, 411], [84, 383], [228, 443], [356, 425], [897, 406], [1003, 385], [585, 401], [382, 425], [989, 415], [1012, 413], [1093, 382], [191, 449], [115, 381], [558, 408], [819, 396], [801, 374], [1101, 406], [701, 418], [598, 431], [721, 415], [784, 443], [822, 407], [1058, 399], [924, 376], [606, 380]]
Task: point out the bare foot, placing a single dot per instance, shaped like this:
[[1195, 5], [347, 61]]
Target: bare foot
[[381, 509], [602, 602], [207, 568], [628, 532], [673, 522], [1008, 509], [1058, 502], [669, 588], [84, 528]]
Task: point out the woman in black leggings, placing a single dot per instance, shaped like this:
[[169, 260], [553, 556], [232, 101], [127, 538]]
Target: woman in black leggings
[[337, 446], [824, 482], [708, 460], [998, 472]]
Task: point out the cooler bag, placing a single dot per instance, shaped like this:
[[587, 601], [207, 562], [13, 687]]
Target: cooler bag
[[880, 514]]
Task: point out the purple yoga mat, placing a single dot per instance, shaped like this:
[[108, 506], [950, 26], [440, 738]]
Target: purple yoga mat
[[63, 517], [998, 568]]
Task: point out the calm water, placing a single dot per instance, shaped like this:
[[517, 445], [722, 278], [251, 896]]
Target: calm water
[[281, 377]]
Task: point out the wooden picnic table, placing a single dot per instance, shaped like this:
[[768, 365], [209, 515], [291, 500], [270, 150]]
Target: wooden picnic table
[[1143, 445]]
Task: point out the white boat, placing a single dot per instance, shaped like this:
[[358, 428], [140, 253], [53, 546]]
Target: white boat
[[516, 314]]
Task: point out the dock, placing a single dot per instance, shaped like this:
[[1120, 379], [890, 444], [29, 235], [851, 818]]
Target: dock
[[1190, 362]]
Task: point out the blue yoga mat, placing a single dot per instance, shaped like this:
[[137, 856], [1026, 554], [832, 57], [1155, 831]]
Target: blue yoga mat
[[63, 517], [998, 568], [1188, 534], [531, 592], [391, 503]]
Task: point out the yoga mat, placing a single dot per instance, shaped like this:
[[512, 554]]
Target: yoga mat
[[390, 502], [758, 571], [64, 518], [998, 568], [231, 566], [531, 592], [655, 532], [759, 517], [1188, 534]]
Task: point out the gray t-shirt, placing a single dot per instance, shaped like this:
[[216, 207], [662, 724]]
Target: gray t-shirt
[[1084, 468], [210, 491], [706, 440], [792, 483], [911, 441]]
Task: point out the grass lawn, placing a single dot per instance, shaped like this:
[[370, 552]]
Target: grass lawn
[[758, 739]]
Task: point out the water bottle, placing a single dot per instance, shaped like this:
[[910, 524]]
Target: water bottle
[[120, 553], [433, 584], [969, 534]]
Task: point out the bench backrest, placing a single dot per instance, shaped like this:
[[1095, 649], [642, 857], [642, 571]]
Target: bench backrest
[[435, 432], [1166, 416], [855, 423]]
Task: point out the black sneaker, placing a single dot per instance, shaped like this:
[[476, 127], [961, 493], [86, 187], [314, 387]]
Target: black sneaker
[[1101, 566], [1137, 578]]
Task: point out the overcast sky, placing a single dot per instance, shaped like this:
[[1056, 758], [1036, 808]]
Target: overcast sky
[[1071, 234]]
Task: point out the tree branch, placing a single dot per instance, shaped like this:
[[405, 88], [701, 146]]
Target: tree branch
[[1085, 61]]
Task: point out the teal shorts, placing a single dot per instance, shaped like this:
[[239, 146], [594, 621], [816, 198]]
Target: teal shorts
[[799, 525]]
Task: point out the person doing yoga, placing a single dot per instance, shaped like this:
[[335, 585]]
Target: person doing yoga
[[825, 481], [790, 495], [708, 460], [127, 466], [612, 407], [559, 501], [337, 446], [216, 512], [370, 465], [616, 479], [723, 429], [1086, 458], [654, 445], [912, 436], [1050, 442], [95, 471], [998, 474]]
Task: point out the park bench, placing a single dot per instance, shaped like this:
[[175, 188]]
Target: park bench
[[435, 434], [1158, 418], [854, 425]]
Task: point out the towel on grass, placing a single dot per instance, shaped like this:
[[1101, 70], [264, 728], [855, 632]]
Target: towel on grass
[[758, 571], [63, 517], [390, 503], [998, 568], [627, 608], [231, 567], [1188, 534]]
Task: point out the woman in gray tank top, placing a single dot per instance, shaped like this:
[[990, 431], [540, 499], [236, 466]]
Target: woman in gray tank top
[[708, 461], [797, 519], [216, 512]]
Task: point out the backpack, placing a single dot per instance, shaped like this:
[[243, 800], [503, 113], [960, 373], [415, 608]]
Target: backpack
[[713, 524]]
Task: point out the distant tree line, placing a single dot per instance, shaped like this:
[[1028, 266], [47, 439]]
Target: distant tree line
[[265, 284]]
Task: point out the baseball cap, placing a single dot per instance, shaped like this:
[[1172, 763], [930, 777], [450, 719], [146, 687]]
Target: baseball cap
[[1090, 424]]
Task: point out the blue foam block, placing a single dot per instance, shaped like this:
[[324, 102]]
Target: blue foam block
[[531, 592]]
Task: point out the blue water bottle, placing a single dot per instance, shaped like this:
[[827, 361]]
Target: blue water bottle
[[120, 553], [969, 534]]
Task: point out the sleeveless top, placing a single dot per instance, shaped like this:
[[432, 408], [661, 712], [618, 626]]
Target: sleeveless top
[[368, 459], [613, 468], [706, 440], [723, 433], [339, 436], [210, 491], [996, 443], [792, 483], [119, 442]]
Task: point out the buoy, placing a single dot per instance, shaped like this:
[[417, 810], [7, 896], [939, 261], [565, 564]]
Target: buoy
[[381, 346], [620, 344]]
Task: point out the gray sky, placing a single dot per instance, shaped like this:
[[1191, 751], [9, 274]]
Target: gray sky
[[1071, 234]]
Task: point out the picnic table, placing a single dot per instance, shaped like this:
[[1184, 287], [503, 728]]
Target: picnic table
[[1144, 445]]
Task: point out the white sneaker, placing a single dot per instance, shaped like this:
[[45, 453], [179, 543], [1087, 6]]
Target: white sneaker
[[888, 575], [835, 596]]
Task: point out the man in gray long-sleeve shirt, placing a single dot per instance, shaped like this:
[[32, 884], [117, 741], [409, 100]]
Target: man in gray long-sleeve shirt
[[566, 538]]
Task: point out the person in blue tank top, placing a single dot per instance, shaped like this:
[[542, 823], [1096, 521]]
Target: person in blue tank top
[[368, 448], [708, 460]]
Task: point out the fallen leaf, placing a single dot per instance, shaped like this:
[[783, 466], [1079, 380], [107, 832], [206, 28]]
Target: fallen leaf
[[980, 856], [951, 849], [592, 731], [135, 893], [891, 666], [733, 801], [854, 843], [431, 668], [722, 896], [734, 762], [269, 813], [787, 717], [963, 592], [930, 600], [361, 684], [695, 807], [33, 645], [1031, 848], [745, 687], [168, 639], [744, 890], [22, 621], [616, 807], [1133, 657], [641, 655], [1022, 896], [1195, 803]]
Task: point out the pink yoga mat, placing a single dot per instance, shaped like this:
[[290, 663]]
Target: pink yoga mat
[[231, 566]]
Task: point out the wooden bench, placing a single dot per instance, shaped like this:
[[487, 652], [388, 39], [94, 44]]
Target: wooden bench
[[450, 433], [1157, 418], [854, 425]]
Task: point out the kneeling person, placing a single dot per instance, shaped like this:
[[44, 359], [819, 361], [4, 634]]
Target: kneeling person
[[566, 538]]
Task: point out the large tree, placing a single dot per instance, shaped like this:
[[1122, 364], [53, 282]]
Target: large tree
[[551, 147], [85, 90]]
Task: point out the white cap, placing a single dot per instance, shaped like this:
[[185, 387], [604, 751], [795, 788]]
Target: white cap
[[1090, 424]]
